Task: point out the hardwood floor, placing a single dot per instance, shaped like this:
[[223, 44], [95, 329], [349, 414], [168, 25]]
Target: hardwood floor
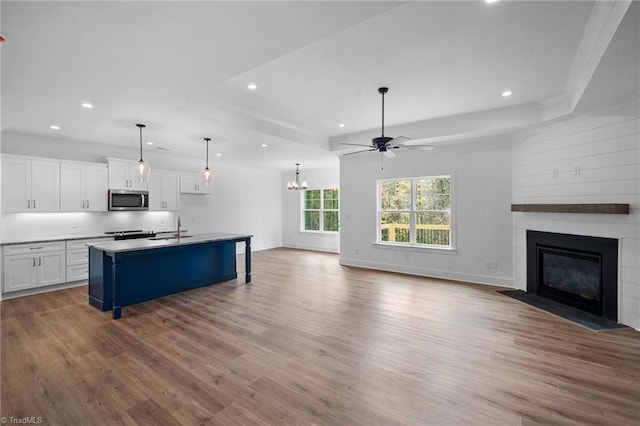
[[311, 342]]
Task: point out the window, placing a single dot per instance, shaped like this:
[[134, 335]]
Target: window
[[415, 211], [320, 210]]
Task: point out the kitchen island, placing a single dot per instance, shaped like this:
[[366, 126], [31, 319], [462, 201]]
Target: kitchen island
[[125, 272]]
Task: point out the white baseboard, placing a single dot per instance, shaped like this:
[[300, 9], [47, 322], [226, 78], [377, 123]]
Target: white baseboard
[[38, 290], [312, 248], [431, 273]]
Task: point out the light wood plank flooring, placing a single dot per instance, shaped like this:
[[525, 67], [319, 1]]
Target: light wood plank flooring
[[311, 342]]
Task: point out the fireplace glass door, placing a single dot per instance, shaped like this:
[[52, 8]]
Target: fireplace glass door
[[572, 277]]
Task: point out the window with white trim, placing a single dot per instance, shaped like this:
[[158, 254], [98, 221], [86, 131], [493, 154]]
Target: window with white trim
[[320, 210], [415, 211]]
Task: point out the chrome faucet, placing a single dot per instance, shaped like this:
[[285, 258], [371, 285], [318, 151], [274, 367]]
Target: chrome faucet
[[179, 225]]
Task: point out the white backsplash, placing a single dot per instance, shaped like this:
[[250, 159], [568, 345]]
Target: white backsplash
[[23, 226]]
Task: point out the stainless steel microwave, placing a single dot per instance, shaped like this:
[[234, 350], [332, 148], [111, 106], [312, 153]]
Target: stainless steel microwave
[[124, 199]]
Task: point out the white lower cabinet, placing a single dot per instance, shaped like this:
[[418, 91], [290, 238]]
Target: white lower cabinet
[[27, 266], [78, 258], [33, 265]]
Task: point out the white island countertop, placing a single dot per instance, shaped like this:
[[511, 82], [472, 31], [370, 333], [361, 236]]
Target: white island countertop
[[160, 242]]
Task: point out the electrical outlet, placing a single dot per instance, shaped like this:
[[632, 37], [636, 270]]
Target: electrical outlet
[[491, 264], [554, 173], [74, 225]]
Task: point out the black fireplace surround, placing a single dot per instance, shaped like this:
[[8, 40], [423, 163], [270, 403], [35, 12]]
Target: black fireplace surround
[[575, 270]]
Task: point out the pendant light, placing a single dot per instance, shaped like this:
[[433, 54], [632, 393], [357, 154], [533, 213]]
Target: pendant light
[[296, 184], [207, 172], [143, 168]]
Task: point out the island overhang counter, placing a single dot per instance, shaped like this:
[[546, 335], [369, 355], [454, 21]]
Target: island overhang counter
[[125, 272]]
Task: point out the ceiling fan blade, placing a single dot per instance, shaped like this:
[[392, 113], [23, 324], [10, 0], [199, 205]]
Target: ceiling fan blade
[[355, 144], [358, 152], [389, 154], [421, 147], [399, 140]]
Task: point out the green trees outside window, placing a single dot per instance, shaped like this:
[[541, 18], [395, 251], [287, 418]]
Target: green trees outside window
[[415, 211], [320, 210]]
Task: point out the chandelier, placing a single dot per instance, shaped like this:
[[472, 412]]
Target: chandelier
[[296, 184]]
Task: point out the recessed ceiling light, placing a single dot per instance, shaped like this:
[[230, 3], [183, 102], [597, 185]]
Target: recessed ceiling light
[[149, 143], [86, 105], [252, 86], [54, 127], [341, 125], [490, 1], [218, 155], [506, 93], [264, 145]]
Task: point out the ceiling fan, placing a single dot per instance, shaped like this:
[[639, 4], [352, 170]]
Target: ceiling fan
[[385, 144]]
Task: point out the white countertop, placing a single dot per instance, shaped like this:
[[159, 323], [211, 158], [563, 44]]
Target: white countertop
[[159, 242], [59, 237], [49, 238]]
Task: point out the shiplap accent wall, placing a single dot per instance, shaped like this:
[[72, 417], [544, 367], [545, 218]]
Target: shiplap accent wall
[[590, 158]]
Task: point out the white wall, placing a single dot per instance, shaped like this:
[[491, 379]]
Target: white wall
[[482, 173], [242, 200], [605, 146], [320, 178]]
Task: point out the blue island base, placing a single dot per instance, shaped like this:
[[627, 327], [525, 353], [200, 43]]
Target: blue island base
[[118, 279]]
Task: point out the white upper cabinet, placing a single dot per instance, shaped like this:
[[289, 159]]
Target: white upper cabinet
[[123, 174], [83, 187], [30, 185], [163, 190], [194, 183]]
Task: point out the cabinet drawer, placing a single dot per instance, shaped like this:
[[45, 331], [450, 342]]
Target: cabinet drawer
[[33, 248], [78, 244], [77, 272], [78, 256]]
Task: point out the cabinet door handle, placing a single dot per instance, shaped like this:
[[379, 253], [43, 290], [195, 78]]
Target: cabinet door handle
[[28, 204], [35, 248], [34, 204], [39, 261], [83, 204], [34, 262], [87, 203]]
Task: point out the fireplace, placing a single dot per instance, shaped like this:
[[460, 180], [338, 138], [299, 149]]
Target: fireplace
[[574, 270]]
